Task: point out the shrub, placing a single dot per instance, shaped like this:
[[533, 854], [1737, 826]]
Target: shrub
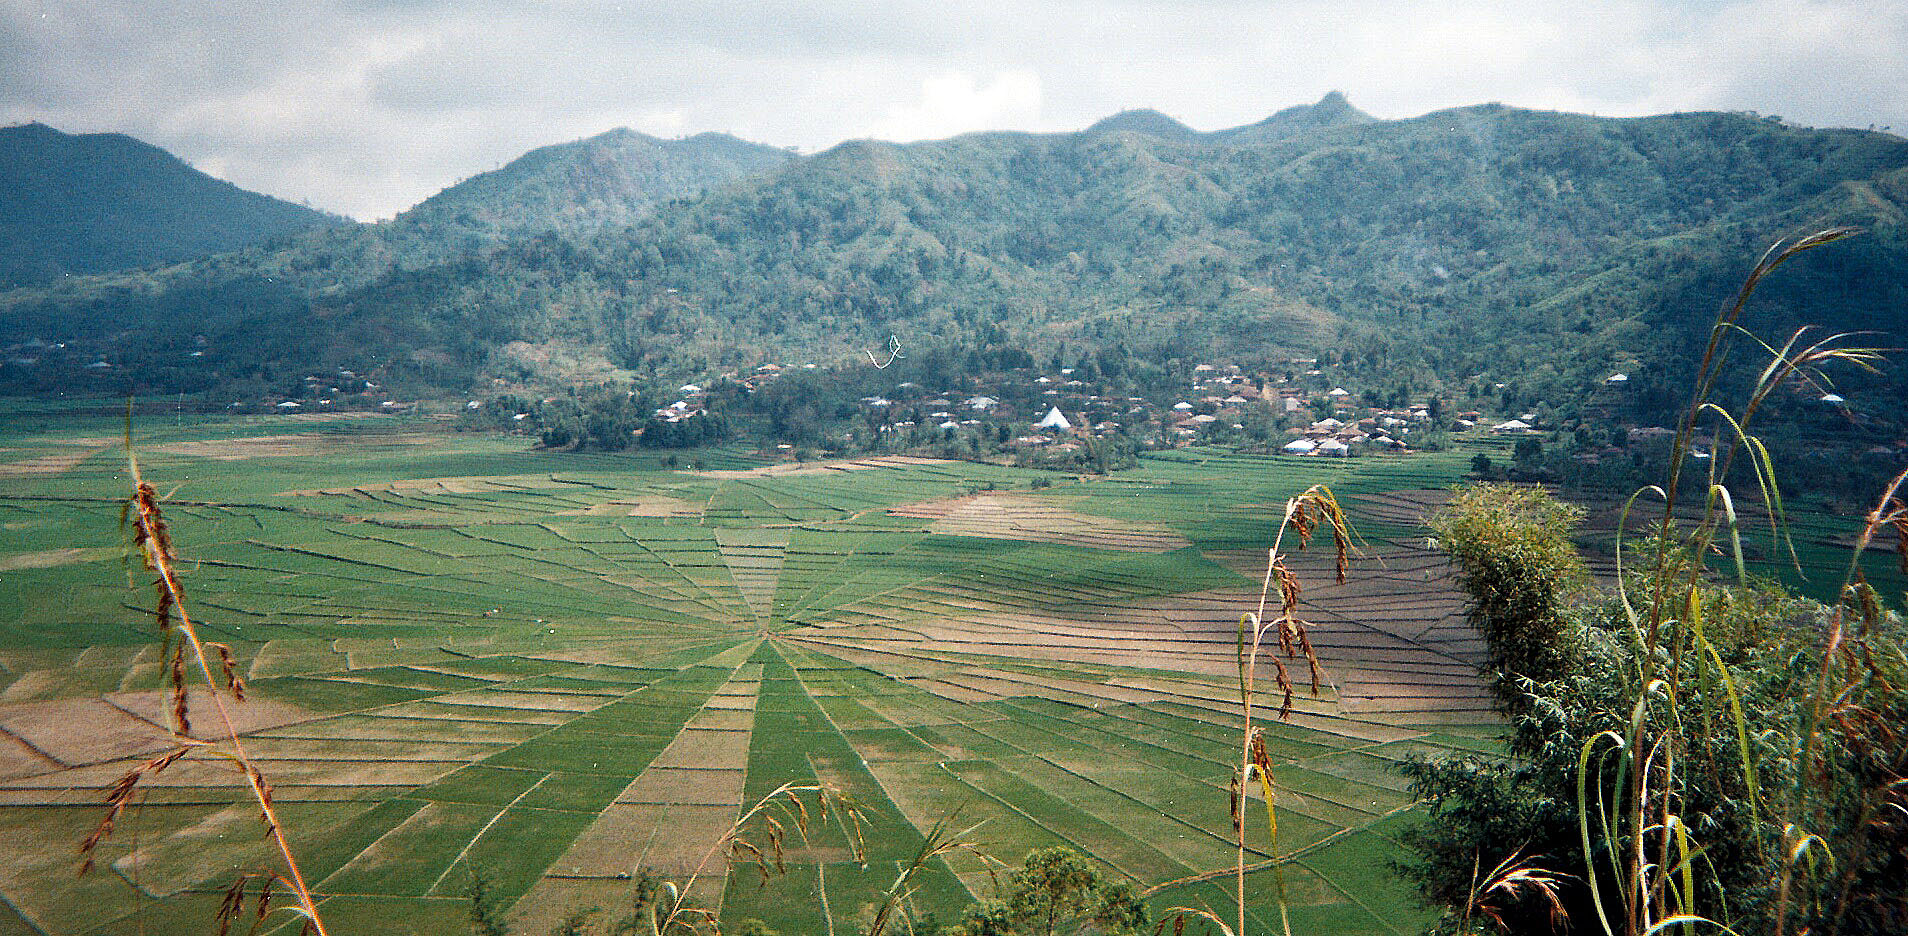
[[1512, 547]]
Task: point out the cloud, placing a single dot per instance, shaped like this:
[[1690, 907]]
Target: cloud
[[954, 102], [367, 106]]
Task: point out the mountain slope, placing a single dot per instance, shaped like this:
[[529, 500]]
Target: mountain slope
[[1476, 245], [87, 203], [1332, 110], [610, 178]]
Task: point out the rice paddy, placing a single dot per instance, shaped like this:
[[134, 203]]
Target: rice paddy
[[559, 670]]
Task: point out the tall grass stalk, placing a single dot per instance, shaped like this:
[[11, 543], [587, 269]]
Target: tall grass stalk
[[1652, 861], [154, 542], [1304, 514], [940, 842], [758, 838]]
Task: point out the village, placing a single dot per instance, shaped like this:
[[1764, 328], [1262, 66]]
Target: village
[[1059, 412]]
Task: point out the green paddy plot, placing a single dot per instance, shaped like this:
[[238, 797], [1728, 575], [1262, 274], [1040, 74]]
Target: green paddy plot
[[470, 658]]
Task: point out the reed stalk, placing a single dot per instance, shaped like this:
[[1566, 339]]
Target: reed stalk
[[154, 541]]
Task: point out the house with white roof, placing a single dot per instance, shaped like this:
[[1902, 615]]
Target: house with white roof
[[1053, 420]]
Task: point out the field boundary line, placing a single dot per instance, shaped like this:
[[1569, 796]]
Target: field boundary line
[[1288, 858], [480, 833], [830, 719]]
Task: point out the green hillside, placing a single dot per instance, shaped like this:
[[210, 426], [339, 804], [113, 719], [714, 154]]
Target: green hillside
[[613, 177], [88, 203], [1467, 247]]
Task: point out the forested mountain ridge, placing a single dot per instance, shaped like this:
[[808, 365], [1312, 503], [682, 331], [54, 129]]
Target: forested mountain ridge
[[254, 311], [609, 178], [91, 202], [1485, 244]]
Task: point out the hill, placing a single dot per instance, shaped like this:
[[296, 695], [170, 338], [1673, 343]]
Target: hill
[[1332, 110], [88, 203], [609, 178], [1459, 250]]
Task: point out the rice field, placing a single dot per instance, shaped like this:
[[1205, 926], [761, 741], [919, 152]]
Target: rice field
[[557, 671]]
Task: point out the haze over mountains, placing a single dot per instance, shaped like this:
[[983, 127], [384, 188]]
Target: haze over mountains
[[1534, 248]]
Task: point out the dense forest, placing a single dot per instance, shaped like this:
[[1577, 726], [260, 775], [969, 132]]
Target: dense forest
[[1484, 253]]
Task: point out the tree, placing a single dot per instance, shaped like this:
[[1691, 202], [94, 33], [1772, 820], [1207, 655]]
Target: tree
[[1057, 892], [486, 909], [1512, 547]]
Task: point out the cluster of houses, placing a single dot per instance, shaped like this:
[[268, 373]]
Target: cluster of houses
[[1384, 430], [694, 401], [344, 388], [1064, 409]]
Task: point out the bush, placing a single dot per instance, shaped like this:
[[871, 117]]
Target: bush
[[1057, 892], [1512, 547]]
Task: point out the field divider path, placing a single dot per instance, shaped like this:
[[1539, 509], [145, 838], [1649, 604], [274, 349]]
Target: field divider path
[[677, 807], [1111, 821], [802, 683], [461, 855], [711, 598]]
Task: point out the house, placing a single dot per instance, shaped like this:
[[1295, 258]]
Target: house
[[1332, 447], [1617, 379], [1053, 420], [1299, 447], [1511, 426]]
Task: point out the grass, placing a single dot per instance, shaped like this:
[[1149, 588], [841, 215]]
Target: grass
[[1062, 693]]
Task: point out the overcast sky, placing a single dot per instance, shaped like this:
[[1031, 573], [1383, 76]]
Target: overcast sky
[[365, 107]]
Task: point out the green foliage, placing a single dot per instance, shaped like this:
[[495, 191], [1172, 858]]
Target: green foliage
[[577, 923], [1725, 754], [1515, 558], [1056, 892], [486, 907], [1421, 253], [87, 203], [1484, 810]]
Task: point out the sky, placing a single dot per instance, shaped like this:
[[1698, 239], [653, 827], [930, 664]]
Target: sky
[[365, 107]]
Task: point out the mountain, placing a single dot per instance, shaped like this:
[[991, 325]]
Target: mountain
[[88, 203], [1146, 121], [606, 179], [1332, 110], [1461, 249]]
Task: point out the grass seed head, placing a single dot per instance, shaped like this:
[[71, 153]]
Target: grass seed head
[[228, 667]]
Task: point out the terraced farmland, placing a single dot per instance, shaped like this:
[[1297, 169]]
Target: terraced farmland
[[558, 670]]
